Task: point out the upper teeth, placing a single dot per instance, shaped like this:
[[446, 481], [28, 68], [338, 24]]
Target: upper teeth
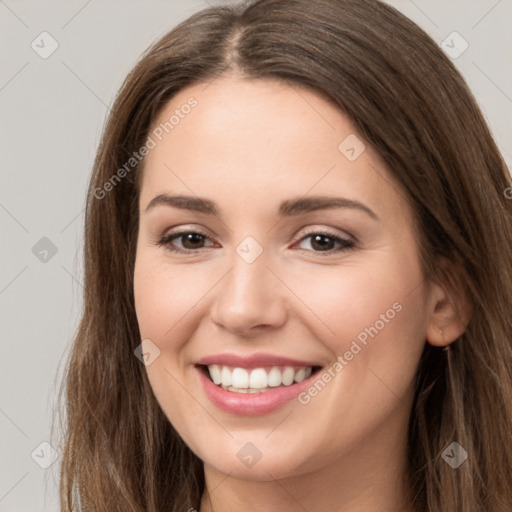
[[257, 378]]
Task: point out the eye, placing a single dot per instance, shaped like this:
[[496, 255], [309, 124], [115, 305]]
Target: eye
[[324, 241], [192, 240]]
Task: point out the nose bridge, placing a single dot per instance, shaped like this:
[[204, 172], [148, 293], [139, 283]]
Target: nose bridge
[[248, 296]]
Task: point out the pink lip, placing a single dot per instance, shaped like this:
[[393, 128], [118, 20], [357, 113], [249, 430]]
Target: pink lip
[[253, 361], [251, 404]]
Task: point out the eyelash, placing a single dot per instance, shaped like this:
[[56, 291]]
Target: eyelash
[[346, 245]]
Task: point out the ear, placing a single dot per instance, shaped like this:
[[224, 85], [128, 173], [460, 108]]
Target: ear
[[450, 306]]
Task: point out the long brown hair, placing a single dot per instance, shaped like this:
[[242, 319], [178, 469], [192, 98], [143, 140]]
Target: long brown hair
[[120, 452]]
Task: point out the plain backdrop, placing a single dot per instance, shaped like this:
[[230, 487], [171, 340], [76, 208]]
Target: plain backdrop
[[52, 112]]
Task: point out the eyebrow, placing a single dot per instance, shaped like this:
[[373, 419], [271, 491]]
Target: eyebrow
[[289, 208]]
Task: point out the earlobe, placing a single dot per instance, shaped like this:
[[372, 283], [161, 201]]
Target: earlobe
[[450, 313]]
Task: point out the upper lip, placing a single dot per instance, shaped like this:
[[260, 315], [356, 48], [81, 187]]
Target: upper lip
[[253, 361]]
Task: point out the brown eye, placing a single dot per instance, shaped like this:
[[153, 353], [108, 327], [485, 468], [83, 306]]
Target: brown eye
[[191, 241], [325, 242]]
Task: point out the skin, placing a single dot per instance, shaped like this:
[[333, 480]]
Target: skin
[[247, 146]]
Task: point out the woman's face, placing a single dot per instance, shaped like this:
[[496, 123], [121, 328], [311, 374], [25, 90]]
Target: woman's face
[[276, 285]]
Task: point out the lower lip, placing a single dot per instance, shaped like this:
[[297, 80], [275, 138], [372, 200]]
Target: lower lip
[[251, 404]]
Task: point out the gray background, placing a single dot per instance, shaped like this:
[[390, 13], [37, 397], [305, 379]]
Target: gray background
[[52, 112]]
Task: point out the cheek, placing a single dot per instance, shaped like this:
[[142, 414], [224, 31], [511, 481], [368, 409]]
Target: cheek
[[372, 312], [164, 296], [164, 302], [373, 323]]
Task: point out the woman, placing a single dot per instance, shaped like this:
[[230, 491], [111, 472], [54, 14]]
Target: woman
[[297, 276]]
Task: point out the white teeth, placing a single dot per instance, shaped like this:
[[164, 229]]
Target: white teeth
[[248, 390], [225, 376], [274, 377], [288, 375], [299, 376], [258, 379], [240, 378], [215, 374]]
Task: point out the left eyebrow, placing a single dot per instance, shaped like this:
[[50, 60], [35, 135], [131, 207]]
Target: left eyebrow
[[310, 204], [289, 208]]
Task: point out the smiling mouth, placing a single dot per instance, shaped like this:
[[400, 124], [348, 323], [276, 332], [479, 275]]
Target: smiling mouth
[[256, 380]]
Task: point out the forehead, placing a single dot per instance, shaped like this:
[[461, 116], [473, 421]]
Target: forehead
[[261, 140]]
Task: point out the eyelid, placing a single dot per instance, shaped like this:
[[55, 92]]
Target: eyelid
[[327, 231], [345, 242], [181, 229]]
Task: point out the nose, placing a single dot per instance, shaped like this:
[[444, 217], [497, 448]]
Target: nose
[[250, 298]]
